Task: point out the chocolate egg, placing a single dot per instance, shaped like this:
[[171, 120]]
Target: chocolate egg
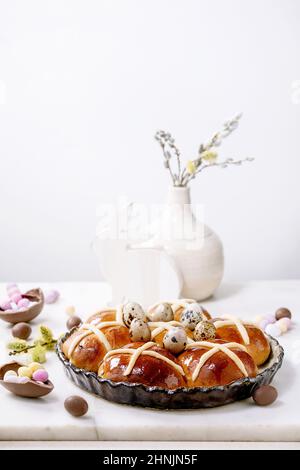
[[204, 331], [21, 330], [76, 405], [139, 330], [175, 340], [132, 310], [265, 395], [282, 313], [73, 321], [161, 312]]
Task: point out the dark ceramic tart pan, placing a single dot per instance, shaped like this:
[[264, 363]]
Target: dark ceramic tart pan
[[181, 398]]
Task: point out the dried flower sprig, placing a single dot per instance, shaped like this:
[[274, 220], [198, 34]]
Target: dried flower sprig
[[207, 154], [45, 342]]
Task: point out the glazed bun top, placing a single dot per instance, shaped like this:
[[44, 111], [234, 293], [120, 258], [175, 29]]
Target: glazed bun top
[[214, 363], [107, 314], [144, 363], [230, 328], [87, 345]]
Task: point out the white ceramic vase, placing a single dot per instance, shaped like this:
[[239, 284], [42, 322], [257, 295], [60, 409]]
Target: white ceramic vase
[[179, 256], [196, 250]]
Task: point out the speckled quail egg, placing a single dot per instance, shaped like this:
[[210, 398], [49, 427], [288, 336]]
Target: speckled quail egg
[[132, 310], [161, 312], [139, 330], [175, 340], [191, 316], [205, 330]]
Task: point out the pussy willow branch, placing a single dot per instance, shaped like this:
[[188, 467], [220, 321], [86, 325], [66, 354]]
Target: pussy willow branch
[[224, 164], [218, 137], [170, 150], [31, 346]]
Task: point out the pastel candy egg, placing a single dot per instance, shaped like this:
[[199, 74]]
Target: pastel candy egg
[[23, 380], [35, 366], [273, 330], [5, 305], [11, 378], [40, 375], [9, 373], [263, 323], [23, 303], [282, 326], [11, 285], [15, 298], [258, 319], [13, 291], [70, 310], [24, 372], [270, 318], [51, 296]]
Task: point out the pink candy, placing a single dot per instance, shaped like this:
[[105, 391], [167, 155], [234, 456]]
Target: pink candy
[[51, 296], [5, 305], [15, 298], [23, 303], [12, 285], [40, 375], [15, 302], [13, 291]]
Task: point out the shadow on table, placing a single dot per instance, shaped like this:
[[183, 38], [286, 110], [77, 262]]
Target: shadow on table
[[227, 290]]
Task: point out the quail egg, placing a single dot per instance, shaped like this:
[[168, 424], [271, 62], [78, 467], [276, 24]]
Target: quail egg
[[132, 310], [205, 330], [161, 312], [139, 330], [175, 340], [191, 316]]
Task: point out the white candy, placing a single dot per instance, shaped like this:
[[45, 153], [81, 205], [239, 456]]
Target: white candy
[[273, 329], [11, 379], [282, 325], [23, 380], [9, 373]]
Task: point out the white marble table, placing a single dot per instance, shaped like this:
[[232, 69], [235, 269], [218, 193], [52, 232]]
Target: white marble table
[[46, 420]]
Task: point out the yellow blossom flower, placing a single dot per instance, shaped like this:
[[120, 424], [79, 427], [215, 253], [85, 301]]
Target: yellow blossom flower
[[209, 156], [190, 167]]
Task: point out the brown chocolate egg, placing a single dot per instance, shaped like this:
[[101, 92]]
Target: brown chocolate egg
[[76, 406], [21, 330], [282, 313], [265, 395], [73, 321]]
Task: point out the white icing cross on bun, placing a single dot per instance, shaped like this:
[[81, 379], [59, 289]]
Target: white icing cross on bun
[[213, 348]]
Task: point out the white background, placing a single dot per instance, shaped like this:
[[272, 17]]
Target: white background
[[84, 85]]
